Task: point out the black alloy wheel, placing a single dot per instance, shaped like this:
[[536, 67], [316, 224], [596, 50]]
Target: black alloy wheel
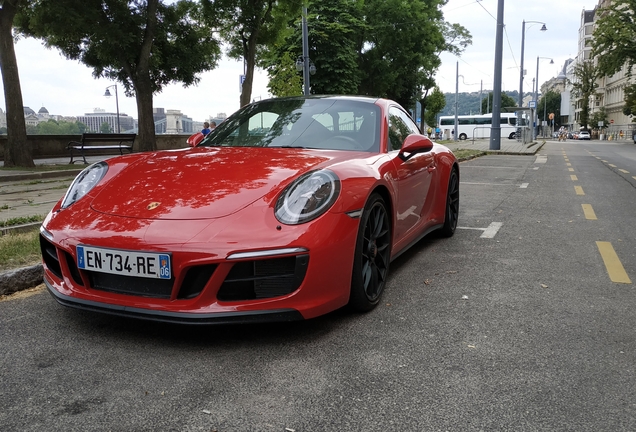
[[372, 256], [452, 205]]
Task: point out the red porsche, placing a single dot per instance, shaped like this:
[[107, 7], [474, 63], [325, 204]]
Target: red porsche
[[290, 209]]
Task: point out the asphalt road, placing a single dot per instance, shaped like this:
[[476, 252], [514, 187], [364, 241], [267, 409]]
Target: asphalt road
[[514, 324]]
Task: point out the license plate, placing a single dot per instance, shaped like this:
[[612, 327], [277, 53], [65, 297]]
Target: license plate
[[122, 262]]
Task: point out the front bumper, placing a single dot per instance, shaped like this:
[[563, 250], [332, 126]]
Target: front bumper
[[282, 315]]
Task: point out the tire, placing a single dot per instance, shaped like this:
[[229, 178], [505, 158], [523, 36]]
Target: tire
[[463, 136], [512, 135], [372, 256], [452, 205]]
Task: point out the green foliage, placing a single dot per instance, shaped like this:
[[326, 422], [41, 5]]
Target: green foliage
[[19, 249], [599, 116], [630, 101], [614, 35], [104, 128], [53, 127], [506, 102], [551, 101], [435, 103], [284, 78]]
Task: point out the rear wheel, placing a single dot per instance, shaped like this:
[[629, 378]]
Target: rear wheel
[[452, 205], [463, 136], [512, 135], [372, 256]]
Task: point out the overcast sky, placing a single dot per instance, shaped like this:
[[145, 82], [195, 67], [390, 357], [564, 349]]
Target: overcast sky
[[67, 87]]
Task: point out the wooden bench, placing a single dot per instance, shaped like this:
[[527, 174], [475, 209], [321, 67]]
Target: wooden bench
[[100, 141]]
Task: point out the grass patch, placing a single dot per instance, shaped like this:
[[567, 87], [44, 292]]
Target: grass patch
[[462, 154], [21, 220], [43, 167], [20, 249]]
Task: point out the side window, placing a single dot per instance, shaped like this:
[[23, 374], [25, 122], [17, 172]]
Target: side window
[[400, 126]]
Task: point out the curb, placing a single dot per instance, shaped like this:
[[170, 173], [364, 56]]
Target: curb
[[38, 175], [21, 279]]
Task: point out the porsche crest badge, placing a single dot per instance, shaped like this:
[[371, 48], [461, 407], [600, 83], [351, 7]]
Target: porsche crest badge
[[153, 205]]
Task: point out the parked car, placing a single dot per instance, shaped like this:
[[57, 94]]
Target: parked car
[[289, 209], [584, 135]]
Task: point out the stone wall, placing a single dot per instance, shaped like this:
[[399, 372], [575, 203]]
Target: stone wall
[[53, 146]]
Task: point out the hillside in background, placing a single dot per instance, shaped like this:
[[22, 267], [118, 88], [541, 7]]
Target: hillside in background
[[468, 103]]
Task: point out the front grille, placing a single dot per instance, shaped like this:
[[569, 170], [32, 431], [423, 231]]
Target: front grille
[[146, 287], [72, 267], [49, 256], [263, 279]]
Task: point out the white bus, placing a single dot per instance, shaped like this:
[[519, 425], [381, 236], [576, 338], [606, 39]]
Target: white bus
[[478, 126]]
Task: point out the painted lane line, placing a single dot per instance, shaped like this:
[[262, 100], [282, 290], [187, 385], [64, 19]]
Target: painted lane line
[[523, 185], [588, 211], [541, 159], [612, 165], [570, 169], [613, 265], [568, 164], [492, 230], [579, 190], [573, 177], [634, 177], [624, 171]]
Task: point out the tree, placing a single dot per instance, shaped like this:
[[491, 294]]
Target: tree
[[506, 101], [614, 35], [400, 48], [284, 79], [17, 151], [583, 88], [598, 117], [105, 128], [143, 45], [248, 26], [630, 101], [551, 102], [435, 103], [334, 26]]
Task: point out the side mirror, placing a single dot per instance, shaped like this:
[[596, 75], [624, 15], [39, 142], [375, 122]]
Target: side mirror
[[195, 139], [415, 143]]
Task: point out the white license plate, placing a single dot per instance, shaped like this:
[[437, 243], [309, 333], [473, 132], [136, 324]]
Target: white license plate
[[122, 262]]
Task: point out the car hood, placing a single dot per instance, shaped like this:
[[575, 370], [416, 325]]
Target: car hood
[[205, 183]]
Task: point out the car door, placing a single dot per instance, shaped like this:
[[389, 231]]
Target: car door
[[413, 175]]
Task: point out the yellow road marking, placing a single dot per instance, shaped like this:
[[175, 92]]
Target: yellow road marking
[[573, 177], [613, 265], [634, 177], [612, 165], [570, 169], [579, 190], [588, 211], [624, 171], [568, 164], [605, 161]]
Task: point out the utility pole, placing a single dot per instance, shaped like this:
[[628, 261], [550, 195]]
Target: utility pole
[[495, 131]]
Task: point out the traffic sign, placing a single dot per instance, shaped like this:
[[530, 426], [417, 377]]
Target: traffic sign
[[532, 104]]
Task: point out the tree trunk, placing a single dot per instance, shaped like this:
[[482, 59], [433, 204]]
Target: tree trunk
[[143, 85], [250, 62], [146, 122], [17, 151]]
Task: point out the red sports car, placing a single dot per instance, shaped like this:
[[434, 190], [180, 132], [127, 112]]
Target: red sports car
[[290, 209]]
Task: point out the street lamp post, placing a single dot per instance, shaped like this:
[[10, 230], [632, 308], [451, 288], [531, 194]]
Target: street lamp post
[[304, 63], [107, 94], [523, 39], [536, 95]]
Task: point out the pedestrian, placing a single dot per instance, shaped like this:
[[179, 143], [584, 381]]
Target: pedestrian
[[206, 128], [212, 126]]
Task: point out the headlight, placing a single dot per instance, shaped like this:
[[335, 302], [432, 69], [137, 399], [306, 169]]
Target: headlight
[[309, 196], [84, 182]]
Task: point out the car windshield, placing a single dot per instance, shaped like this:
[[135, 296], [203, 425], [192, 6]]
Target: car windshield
[[318, 123]]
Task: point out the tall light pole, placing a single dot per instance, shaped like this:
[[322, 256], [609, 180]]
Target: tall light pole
[[523, 39], [495, 128], [536, 94], [107, 94], [304, 63]]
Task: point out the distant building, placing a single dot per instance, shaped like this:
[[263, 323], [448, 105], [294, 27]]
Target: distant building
[[98, 117]]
